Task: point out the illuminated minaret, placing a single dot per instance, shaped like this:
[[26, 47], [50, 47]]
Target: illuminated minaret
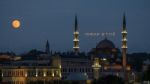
[[76, 37], [124, 43]]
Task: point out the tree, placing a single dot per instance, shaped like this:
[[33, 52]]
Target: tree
[[146, 74], [110, 79]]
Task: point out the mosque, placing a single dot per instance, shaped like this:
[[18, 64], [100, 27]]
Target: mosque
[[103, 60]]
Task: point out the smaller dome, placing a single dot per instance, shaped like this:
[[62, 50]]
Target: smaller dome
[[105, 44]]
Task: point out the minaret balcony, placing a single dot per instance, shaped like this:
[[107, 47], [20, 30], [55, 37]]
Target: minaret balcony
[[76, 32], [76, 40], [124, 32], [124, 46], [124, 39], [76, 47]]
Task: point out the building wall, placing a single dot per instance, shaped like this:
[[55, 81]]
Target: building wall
[[76, 65], [24, 75]]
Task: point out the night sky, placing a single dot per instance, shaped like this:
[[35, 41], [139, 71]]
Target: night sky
[[53, 20]]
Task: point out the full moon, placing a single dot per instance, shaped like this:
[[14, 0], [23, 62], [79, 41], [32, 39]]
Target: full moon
[[16, 24]]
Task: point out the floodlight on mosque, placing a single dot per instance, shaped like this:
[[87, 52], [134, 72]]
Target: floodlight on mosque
[[53, 74], [96, 66], [104, 59], [26, 74], [2, 74], [60, 66], [44, 74]]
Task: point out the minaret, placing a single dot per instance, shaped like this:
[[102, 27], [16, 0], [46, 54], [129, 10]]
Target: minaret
[[47, 50], [124, 42], [96, 68], [76, 37], [124, 49]]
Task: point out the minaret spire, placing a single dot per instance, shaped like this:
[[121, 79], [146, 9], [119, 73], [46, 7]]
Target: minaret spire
[[47, 50], [76, 36], [76, 23], [124, 21]]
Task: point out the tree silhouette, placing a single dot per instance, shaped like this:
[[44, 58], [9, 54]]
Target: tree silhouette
[[146, 75], [110, 79]]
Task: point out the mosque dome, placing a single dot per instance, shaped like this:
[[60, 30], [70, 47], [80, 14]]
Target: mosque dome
[[105, 44]]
